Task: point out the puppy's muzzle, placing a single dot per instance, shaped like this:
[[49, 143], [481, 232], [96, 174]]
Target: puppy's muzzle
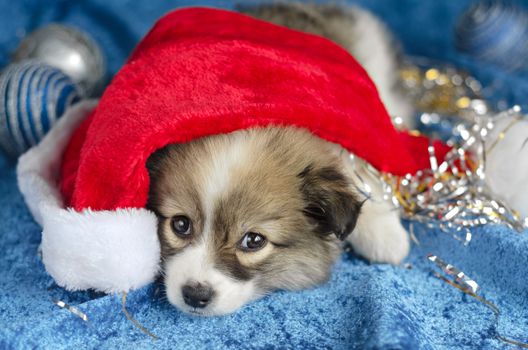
[[197, 295]]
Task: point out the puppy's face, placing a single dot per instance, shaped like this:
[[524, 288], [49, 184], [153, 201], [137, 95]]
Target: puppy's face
[[247, 213]]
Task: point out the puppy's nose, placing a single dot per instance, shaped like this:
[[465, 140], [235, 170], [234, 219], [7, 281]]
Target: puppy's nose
[[197, 295]]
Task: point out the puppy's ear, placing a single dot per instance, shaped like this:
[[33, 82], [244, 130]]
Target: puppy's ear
[[330, 204]]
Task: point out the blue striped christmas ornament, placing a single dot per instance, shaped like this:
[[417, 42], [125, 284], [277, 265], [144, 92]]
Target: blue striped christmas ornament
[[33, 96], [495, 31]]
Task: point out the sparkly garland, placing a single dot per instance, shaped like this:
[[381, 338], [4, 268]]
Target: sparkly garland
[[453, 196]]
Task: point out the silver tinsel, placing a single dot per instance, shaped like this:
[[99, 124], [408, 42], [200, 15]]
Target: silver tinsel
[[452, 194], [465, 284]]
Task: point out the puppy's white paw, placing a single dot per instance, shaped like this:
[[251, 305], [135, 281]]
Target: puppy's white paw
[[380, 238]]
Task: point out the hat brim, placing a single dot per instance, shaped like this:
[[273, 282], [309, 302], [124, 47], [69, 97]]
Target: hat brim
[[109, 251]]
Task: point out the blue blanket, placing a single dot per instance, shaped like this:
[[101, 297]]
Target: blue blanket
[[363, 306]]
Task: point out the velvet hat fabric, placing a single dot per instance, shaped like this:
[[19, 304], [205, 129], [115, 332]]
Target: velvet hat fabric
[[198, 72], [201, 72]]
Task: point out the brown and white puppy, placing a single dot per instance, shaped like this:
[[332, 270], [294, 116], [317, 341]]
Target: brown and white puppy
[[257, 210]]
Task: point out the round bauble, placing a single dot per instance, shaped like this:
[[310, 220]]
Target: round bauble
[[496, 32], [33, 96], [69, 50]]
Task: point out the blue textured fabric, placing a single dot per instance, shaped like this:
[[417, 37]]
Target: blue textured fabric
[[363, 306]]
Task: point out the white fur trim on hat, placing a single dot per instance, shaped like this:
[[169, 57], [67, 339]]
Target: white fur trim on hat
[[109, 251]]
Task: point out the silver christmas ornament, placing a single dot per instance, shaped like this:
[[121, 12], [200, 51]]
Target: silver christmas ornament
[[69, 50], [33, 96]]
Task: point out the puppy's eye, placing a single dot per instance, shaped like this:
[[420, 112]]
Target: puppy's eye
[[181, 225], [252, 241]]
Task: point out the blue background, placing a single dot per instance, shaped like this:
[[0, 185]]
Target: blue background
[[363, 306]]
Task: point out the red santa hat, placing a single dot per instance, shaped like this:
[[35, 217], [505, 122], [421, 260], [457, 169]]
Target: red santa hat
[[198, 72]]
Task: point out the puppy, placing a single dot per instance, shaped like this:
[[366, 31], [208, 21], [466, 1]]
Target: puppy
[[257, 210]]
